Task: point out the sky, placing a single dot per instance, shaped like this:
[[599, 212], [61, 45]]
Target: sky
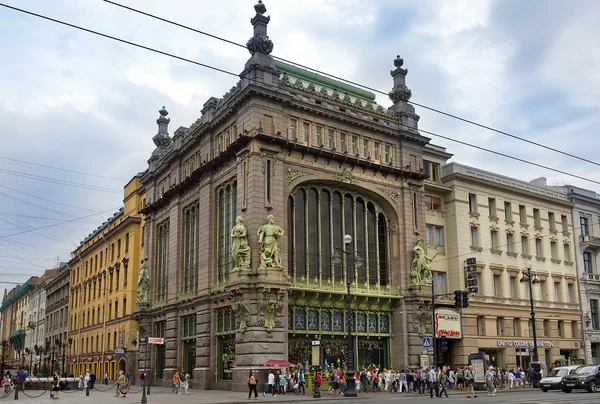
[[83, 103]]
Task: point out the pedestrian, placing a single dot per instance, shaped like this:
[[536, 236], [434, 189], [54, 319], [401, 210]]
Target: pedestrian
[[55, 385], [92, 380], [444, 380], [129, 377], [433, 383], [121, 384], [282, 384], [106, 379], [319, 383], [490, 375], [470, 380], [252, 382], [142, 378], [176, 380], [270, 384]]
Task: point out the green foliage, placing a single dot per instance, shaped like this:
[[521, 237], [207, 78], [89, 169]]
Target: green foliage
[[45, 370]]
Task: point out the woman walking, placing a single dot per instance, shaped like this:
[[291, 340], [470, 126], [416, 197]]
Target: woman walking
[[121, 384], [55, 385], [252, 382]]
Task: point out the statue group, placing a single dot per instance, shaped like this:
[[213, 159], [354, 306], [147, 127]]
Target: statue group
[[268, 235], [421, 265]]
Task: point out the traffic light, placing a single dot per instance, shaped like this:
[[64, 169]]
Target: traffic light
[[458, 299], [465, 299], [443, 345]]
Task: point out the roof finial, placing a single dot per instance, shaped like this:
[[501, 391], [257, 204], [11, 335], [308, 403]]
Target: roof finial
[[399, 92], [162, 139], [260, 42], [260, 7], [398, 62]]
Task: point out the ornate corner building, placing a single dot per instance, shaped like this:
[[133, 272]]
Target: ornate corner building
[[246, 208]]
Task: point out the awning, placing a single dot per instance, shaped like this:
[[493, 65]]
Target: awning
[[277, 363]]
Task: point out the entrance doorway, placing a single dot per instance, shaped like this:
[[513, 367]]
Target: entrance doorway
[[494, 357], [122, 365]]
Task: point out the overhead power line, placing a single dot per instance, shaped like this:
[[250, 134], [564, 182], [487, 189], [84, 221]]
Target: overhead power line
[[236, 75], [41, 217], [436, 110], [59, 182], [61, 169], [47, 200]]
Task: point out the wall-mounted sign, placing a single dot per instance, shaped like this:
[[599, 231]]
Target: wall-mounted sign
[[525, 344], [448, 323]]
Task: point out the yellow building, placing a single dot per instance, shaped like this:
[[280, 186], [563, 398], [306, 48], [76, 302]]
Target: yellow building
[[104, 271]]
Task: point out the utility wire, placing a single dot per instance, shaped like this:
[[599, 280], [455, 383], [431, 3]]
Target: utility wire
[[60, 169], [40, 217], [46, 200], [14, 198], [357, 84], [234, 74], [59, 182]]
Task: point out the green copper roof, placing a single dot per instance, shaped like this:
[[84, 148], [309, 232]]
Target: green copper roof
[[325, 81], [23, 290]]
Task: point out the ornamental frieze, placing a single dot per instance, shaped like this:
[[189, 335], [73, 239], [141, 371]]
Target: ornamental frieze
[[393, 195], [346, 177], [293, 175]]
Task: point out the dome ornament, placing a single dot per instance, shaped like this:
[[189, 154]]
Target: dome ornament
[[398, 62], [260, 7]]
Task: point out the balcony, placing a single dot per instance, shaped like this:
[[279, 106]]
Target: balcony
[[590, 278], [587, 242]]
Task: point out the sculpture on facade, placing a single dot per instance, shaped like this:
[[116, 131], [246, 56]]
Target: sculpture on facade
[[270, 312], [143, 285], [269, 246], [421, 268], [240, 250], [240, 309], [421, 317]]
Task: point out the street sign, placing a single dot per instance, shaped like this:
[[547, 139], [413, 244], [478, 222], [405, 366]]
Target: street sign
[[316, 343], [119, 351], [144, 340], [156, 340], [427, 342], [430, 351]]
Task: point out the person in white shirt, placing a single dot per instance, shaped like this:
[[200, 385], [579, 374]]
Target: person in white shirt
[[433, 383], [271, 383], [511, 379], [451, 379], [489, 379]]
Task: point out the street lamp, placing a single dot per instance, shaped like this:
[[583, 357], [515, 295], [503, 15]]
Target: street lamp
[[63, 344], [531, 278], [358, 262]]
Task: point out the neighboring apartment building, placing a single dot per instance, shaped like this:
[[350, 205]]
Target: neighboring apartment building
[[325, 160], [586, 231], [36, 332], [505, 224], [57, 316], [104, 272]]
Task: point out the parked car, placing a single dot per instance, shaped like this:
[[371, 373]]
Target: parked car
[[553, 380], [584, 377]]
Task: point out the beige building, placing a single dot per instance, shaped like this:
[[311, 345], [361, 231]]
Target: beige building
[[506, 225]]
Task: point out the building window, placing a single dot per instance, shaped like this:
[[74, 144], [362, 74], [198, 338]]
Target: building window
[[354, 145], [331, 139], [573, 329], [118, 248], [510, 243], [190, 249], [344, 142], [126, 243], [525, 245], [546, 328], [565, 223], [366, 148], [305, 132], [318, 218], [480, 326], [474, 236], [162, 261], [537, 219], [539, 250], [159, 353], [293, 131], [497, 285], [435, 235], [500, 326], [559, 328], [567, 252], [440, 282], [432, 203], [507, 211], [556, 291], [584, 226], [124, 306], [553, 250], [432, 170], [587, 262], [522, 214], [492, 207], [594, 314], [472, 203], [494, 239], [387, 153], [516, 331], [225, 332], [188, 324], [530, 328], [226, 210], [513, 286], [571, 291], [377, 151], [551, 221], [318, 135]]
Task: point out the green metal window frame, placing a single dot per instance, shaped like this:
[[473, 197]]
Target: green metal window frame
[[188, 337], [160, 328], [225, 327], [382, 323], [226, 196], [190, 248], [162, 259]]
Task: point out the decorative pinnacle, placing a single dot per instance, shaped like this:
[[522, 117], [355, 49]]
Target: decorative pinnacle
[[260, 7], [398, 62], [163, 111]]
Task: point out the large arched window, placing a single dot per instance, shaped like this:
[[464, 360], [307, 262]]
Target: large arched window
[[318, 219]]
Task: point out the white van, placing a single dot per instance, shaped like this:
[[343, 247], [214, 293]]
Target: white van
[[552, 381]]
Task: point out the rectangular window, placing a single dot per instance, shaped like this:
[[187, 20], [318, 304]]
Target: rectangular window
[[474, 236], [539, 248], [554, 249], [432, 203], [544, 290], [331, 139], [472, 203], [507, 211], [191, 235], [551, 221], [497, 285], [546, 328], [565, 223], [559, 328], [377, 151], [567, 252], [435, 235], [510, 243], [530, 328], [584, 226], [112, 253], [228, 139], [516, 331], [500, 326], [432, 170], [318, 135], [492, 207], [494, 239], [522, 214], [344, 142], [293, 130], [387, 153], [118, 248], [305, 132], [162, 264], [366, 146], [354, 145], [513, 286], [525, 245], [480, 326], [412, 162], [226, 212], [587, 262], [537, 219], [126, 243], [594, 314], [571, 291], [440, 282], [573, 329]]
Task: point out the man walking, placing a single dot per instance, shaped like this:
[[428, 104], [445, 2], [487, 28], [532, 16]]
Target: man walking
[[443, 383], [490, 375], [433, 382]]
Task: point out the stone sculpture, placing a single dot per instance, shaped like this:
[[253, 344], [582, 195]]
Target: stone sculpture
[[240, 250], [269, 246], [143, 285], [270, 312], [421, 268], [241, 311]]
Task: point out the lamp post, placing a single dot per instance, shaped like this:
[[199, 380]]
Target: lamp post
[[531, 278], [357, 260], [63, 345]]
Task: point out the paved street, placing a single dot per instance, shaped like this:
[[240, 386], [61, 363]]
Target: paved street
[[163, 396]]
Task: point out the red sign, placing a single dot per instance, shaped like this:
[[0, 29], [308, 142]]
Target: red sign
[[156, 340]]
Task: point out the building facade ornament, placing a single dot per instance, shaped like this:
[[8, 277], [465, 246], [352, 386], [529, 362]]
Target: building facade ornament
[[421, 265], [143, 284], [268, 234], [162, 139], [393, 195], [241, 310], [293, 174], [346, 177], [240, 250]]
